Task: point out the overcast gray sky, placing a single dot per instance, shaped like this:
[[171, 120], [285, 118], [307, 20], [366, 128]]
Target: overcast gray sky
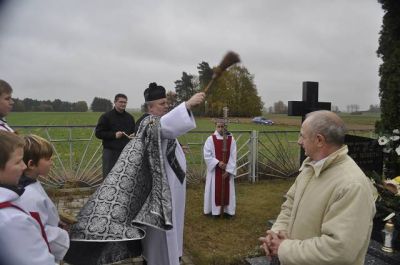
[[76, 50]]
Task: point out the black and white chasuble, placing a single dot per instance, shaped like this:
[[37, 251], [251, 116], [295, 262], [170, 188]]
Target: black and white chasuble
[[134, 194]]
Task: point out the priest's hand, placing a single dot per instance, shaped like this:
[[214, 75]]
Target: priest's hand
[[130, 136], [221, 165], [195, 100]]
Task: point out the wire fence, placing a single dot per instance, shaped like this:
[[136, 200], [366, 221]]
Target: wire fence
[[260, 154]]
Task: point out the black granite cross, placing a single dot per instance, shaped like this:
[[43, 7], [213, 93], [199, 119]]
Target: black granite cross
[[309, 104]]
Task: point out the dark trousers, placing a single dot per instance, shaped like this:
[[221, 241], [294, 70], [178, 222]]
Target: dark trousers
[[110, 157]]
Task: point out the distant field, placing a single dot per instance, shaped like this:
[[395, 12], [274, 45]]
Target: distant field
[[282, 121]]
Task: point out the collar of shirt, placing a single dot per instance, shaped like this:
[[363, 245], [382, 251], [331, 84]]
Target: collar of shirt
[[25, 181], [321, 165], [119, 113], [4, 124], [9, 193], [220, 136]]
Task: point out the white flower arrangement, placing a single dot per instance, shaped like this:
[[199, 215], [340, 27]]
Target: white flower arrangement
[[391, 143]]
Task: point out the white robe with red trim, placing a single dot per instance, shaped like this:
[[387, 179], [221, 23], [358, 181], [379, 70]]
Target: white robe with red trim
[[21, 241], [211, 161], [35, 199]]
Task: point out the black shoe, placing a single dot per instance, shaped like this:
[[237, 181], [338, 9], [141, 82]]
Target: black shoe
[[228, 216]]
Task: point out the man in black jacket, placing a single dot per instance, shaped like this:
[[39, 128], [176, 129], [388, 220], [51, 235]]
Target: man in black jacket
[[115, 128]]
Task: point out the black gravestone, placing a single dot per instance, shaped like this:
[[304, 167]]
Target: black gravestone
[[309, 104], [366, 152]]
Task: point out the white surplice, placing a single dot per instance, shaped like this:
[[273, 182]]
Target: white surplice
[[35, 199], [165, 247], [21, 238], [209, 190]]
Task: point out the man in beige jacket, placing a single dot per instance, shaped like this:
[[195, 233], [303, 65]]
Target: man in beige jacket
[[328, 212]]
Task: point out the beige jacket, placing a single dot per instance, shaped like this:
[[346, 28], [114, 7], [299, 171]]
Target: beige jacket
[[327, 214]]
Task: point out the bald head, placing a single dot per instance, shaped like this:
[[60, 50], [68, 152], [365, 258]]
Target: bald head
[[328, 124]]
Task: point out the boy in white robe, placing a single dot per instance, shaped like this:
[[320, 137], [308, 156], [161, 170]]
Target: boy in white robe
[[37, 157], [212, 190], [21, 237]]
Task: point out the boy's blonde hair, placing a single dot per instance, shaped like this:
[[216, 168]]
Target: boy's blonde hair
[[5, 88], [9, 142], [36, 148]]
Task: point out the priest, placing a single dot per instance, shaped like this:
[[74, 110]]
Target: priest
[[166, 247], [143, 196]]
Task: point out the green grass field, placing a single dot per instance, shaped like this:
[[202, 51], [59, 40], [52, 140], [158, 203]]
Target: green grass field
[[282, 121], [90, 118]]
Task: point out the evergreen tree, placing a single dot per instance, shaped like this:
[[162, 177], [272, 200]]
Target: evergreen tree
[[205, 74], [101, 104], [185, 87], [389, 93], [389, 71]]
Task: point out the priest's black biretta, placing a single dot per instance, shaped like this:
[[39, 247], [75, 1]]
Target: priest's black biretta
[[154, 92]]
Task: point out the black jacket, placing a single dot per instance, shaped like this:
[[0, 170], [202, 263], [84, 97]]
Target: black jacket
[[111, 122], [140, 120]]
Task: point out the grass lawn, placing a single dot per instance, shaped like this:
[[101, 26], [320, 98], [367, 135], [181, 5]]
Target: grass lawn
[[223, 241]]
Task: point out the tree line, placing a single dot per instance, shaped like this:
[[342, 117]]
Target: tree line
[[57, 105]]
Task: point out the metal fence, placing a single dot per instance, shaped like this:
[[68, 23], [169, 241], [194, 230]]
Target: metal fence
[[260, 154]]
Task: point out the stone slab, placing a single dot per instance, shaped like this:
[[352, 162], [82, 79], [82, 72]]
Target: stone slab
[[375, 256], [372, 260], [258, 261], [375, 250]]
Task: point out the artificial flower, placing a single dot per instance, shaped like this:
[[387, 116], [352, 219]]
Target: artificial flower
[[383, 140], [394, 138]]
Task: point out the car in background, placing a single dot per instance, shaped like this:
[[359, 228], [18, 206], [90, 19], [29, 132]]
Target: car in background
[[262, 120]]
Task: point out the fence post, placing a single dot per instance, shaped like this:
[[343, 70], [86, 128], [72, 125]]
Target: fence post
[[253, 156]]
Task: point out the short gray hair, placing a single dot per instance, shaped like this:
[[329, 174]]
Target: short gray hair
[[328, 124]]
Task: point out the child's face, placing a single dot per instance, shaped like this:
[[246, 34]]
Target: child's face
[[6, 104], [42, 168], [12, 172]]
